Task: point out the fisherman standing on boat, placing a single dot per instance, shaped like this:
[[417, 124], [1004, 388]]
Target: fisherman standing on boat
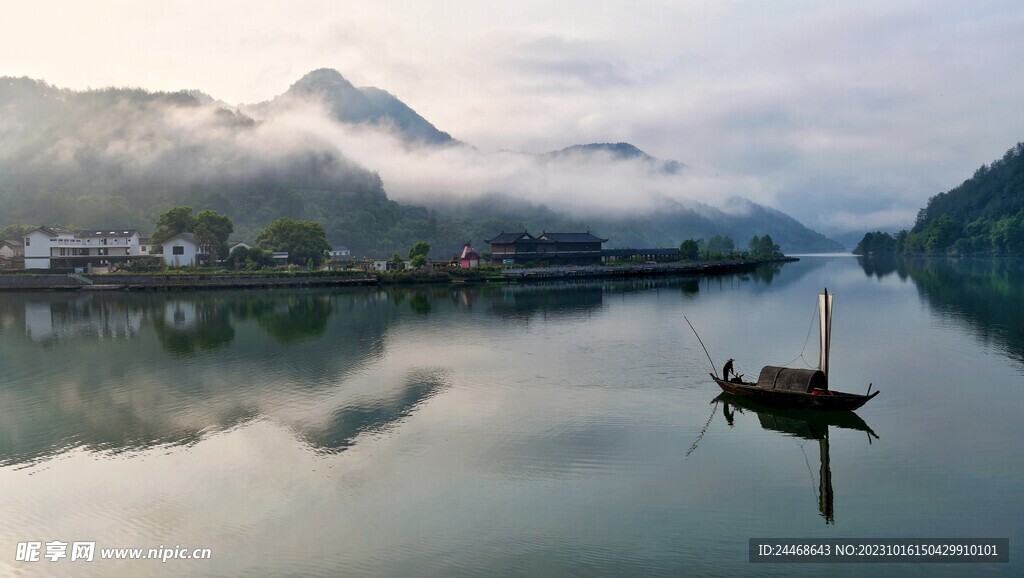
[[728, 369]]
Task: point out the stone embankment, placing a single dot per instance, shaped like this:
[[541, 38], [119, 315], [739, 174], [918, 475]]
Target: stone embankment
[[74, 282], [185, 282]]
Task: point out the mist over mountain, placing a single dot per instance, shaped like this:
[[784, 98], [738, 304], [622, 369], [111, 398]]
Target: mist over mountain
[[621, 151], [360, 106], [326, 150]]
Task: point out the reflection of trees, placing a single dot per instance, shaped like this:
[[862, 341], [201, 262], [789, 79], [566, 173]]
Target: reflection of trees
[[689, 287], [114, 402], [565, 298], [766, 273], [419, 303], [185, 327], [984, 294], [880, 266], [296, 317]]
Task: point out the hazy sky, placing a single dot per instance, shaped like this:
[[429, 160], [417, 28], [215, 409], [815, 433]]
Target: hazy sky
[[846, 115]]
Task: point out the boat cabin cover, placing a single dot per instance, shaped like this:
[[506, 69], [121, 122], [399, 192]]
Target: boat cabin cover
[[796, 380]]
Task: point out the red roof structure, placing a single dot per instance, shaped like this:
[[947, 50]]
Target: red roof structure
[[469, 257]]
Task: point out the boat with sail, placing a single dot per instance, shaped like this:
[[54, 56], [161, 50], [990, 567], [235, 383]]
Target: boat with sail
[[798, 388]]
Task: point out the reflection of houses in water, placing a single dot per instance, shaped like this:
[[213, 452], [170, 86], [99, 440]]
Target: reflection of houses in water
[[805, 424], [47, 321], [468, 298], [181, 315]]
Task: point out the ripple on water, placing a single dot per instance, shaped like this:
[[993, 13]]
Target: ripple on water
[[572, 449]]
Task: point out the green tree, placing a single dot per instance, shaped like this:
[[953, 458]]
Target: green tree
[[941, 233], [878, 243], [719, 246], [419, 261], [210, 228], [303, 240], [420, 248], [172, 222], [689, 250], [763, 247], [15, 232], [250, 258], [206, 242], [217, 225]]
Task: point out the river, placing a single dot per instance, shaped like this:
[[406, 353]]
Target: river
[[564, 428]]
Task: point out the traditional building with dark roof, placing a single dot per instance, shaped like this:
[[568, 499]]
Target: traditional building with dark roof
[[551, 248]]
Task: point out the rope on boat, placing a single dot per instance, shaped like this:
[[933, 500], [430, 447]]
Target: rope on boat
[[809, 472]]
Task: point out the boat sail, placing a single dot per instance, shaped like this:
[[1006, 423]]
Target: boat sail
[[825, 330]]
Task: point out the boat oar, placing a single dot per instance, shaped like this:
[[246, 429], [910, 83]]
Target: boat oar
[[713, 370]]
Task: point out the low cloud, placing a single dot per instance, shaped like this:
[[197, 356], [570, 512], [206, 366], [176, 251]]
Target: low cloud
[[584, 183]]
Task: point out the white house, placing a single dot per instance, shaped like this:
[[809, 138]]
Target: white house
[[339, 252], [389, 266], [54, 247], [12, 254], [181, 250], [232, 245]]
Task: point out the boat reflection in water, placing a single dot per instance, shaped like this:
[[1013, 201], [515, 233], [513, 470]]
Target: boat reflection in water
[[806, 424]]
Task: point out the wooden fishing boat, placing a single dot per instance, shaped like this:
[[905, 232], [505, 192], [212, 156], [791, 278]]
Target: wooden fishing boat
[[798, 388]]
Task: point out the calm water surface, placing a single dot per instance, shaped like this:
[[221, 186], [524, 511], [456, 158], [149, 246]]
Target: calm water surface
[[541, 430]]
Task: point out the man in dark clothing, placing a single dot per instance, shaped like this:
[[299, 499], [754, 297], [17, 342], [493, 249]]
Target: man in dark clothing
[[727, 369]]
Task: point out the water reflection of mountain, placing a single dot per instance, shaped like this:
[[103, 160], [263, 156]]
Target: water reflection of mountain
[[376, 414], [126, 371], [195, 364], [803, 424], [984, 294]]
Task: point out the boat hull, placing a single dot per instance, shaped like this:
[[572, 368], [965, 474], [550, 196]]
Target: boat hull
[[834, 401]]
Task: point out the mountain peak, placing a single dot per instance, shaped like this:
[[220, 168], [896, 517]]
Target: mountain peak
[[621, 151], [321, 80], [366, 105]]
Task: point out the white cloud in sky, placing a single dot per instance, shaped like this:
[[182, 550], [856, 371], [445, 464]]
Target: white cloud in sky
[[818, 108]]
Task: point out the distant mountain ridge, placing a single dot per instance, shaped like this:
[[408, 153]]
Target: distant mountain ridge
[[120, 156], [620, 150]]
